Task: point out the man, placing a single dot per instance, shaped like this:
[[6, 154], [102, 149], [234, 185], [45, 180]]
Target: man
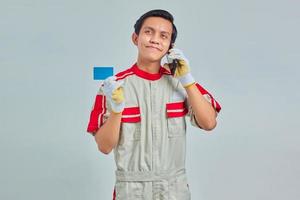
[[140, 114]]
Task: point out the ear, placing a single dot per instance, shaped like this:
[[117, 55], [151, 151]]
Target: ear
[[134, 38]]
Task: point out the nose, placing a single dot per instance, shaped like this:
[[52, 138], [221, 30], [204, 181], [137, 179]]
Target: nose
[[154, 39]]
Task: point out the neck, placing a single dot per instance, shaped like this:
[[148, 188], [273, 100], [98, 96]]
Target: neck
[[150, 67]]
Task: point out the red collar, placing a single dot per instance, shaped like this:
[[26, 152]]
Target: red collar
[[147, 75]]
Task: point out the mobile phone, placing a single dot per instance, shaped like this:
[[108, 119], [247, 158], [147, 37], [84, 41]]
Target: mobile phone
[[174, 63], [173, 66]]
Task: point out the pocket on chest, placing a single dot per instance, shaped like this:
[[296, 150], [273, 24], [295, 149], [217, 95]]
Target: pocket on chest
[[130, 124], [176, 112]]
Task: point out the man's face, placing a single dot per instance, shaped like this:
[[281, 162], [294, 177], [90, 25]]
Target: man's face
[[154, 38]]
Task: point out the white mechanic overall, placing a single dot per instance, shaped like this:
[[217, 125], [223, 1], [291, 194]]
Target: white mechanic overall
[[150, 155]]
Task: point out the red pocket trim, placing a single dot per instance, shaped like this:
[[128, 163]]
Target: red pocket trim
[[177, 109], [175, 106], [131, 115], [131, 111]]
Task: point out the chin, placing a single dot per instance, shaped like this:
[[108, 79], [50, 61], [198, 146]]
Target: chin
[[153, 58]]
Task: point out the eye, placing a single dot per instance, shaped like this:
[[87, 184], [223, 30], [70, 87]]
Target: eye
[[164, 36], [147, 31]]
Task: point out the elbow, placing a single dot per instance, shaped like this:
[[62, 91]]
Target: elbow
[[103, 147], [104, 150], [209, 125]]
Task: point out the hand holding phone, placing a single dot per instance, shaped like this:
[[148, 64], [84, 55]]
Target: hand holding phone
[[174, 63], [178, 63], [179, 67]]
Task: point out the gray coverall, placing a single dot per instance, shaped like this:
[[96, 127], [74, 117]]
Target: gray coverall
[[150, 155]]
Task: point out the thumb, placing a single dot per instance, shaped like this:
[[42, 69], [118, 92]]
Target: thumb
[[167, 66], [119, 83]]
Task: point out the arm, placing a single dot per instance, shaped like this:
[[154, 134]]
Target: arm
[[105, 118], [204, 107], [107, 136], [205, 114]]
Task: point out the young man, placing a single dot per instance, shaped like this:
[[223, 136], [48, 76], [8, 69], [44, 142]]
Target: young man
[[140, 114]]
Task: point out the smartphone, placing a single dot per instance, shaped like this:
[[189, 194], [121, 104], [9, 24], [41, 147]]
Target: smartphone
[[175, 62]]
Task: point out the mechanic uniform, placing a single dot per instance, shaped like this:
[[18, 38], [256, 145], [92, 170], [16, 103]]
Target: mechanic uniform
[[150, 155]]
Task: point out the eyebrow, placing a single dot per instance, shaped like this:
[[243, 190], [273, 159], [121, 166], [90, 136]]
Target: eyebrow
[[149, 27]]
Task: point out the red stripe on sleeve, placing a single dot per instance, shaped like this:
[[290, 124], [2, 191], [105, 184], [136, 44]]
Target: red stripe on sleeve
[[97, 113], [216, 105]]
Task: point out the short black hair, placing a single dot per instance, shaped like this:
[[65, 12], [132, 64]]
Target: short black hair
[[157, 13]]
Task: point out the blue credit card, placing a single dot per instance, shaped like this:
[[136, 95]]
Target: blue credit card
[[101, 73]]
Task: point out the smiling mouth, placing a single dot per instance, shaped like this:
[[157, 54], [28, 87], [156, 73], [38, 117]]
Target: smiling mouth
[[153, 48]]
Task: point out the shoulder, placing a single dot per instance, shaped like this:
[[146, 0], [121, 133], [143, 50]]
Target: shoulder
[[119, 77], [124, 74]]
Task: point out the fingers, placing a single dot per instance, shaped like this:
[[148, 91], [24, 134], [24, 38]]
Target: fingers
[[182, 62], [119, 84], [118, 95], [175, 50], [113, 90], [176, 54], [109, 80], [111, 84]]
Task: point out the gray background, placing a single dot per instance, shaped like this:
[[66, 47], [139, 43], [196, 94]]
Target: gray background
[[246, 53]]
